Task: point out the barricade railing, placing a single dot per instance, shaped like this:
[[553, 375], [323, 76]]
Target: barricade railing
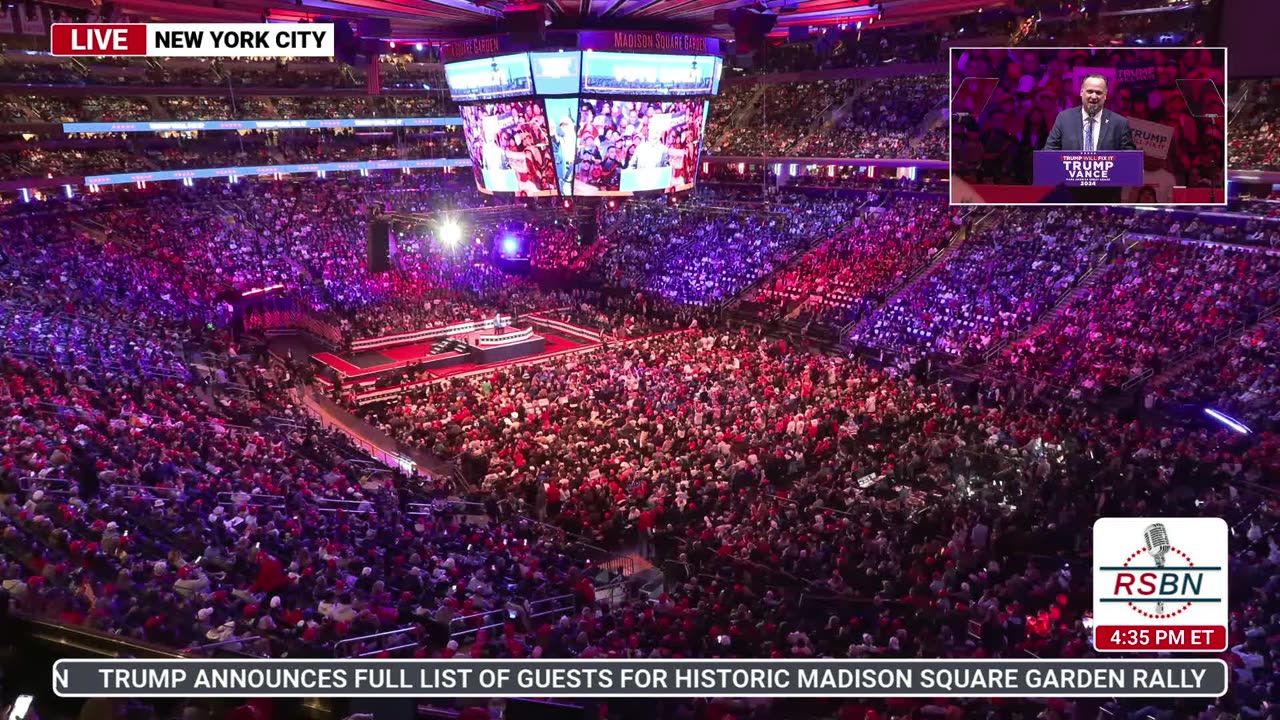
[[439, 504], [625, 563], [142, 490], [274, 502], [493, 626], [333, 505], [536, 607], [337, 647], [391, 460], [60, 486]]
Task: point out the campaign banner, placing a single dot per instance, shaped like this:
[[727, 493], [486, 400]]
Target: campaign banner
[[1076, 168], [1151, 138], [207, 125], [1136, 74]]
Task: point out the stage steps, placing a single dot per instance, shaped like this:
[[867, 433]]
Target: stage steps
[[447, 345]]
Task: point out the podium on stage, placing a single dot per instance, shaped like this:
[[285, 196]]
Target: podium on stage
[[1088, 168]]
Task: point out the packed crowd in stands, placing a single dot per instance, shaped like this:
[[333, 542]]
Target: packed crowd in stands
[[1255, 130], [702, 256], [1241, 377], [769, 119], [882, 118], [812, 504], [883, 121], [1147, 305], [838, 282], [996, 284], [556, 245]]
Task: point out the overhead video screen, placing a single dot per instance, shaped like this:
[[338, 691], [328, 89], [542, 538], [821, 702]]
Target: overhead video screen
[[487, 78], [647, 74], [627, 146], [509, 147], [562, 116], [556, 73]]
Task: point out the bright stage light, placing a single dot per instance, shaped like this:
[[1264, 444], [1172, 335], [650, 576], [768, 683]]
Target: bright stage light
[[510, 245], [449, 233]]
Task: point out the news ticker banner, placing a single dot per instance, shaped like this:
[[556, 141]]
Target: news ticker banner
[[1160, 584], [258, 170], [192, 39], [196, 125], [641, 678]]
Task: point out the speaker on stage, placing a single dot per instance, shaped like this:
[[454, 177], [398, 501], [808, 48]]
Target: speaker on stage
[[379, 246]]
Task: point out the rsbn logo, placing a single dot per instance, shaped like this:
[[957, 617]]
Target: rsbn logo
[[1158, 579]]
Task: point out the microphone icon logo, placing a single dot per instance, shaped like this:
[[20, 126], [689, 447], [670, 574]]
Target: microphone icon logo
[[1156, 538]]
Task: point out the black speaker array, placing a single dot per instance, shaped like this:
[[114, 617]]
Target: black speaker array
[[379, 246]]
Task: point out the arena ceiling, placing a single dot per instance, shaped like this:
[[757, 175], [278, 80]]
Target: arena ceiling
[[427, 20]]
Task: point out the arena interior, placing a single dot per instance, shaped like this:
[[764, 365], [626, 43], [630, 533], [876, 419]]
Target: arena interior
[[795, 404]]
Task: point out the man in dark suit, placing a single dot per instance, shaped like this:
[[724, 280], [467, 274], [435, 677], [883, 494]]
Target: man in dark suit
[[1091, 127]]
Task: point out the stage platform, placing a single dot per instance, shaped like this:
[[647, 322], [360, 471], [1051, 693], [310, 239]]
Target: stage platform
[[489, 346], [477, 347]]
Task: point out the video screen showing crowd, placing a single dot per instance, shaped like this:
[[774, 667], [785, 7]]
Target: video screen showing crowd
[[1010, 103], [508, 144], [625, 146]]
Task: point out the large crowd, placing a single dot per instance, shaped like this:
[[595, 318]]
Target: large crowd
[[995, 286], [885, 120], [707, 255], [838, 282], [811, 504], [1255, 138], [162, 477], [1147, 305]]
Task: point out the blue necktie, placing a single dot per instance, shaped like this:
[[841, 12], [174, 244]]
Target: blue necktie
[[1088, 134]]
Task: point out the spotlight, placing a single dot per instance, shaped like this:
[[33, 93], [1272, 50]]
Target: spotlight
[[449, 233], [510, 245], [612, 204], [567, 204], [418, 47]]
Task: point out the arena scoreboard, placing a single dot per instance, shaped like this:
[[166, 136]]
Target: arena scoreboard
[[585, 114]]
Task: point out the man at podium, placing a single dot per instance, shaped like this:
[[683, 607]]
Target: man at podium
[[1091, 127]]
